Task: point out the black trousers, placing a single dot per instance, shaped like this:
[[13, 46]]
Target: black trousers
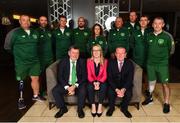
[[101, 92], [59, 92], [125, 100]]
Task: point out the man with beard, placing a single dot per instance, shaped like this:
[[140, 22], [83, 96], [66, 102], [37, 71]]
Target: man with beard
[[80, 37], [44, 49]]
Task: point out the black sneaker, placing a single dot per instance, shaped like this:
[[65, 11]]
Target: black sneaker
[[166, 108], [39, 98], [148, 100], [21, 104]]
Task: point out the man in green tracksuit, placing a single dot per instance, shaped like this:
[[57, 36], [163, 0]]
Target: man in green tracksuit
[[139, 45], [159, 48], [24, 46], [44, 50], [80, 37], [132, 24], [62, 38], [45, 44], [139, 52], [118, 37]]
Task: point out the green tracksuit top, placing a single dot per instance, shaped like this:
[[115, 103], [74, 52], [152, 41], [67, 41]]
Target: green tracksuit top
[[118, 38], [25, 47], [139, 46], [80, 39], [62, 42], [45, 47], [101, 40], [159, 48], [131, 28]]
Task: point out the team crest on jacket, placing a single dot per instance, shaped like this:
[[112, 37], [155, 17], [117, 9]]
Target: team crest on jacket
[[42, 36], [129, 27], [138, 35], [34, 36], [49, 35], [23, 36], [122, 34], [114, 34], [160, 41], [100, 42], [77, 33], [85, 33], [67, 34]]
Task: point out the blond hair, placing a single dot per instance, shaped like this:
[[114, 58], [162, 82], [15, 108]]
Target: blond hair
[[101, 53]]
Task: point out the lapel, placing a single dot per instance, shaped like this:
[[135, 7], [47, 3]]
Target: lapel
[[68, 67], [116, 65], [77, 67], [92, 68]]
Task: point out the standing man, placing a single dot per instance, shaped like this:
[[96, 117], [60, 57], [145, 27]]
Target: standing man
[[159, 49], [72, 78], [24, 46], [139, 50], [44, 49], [139, 42], [120, 78], [118, 37], [132, 24], [80, 37], [62, 38]]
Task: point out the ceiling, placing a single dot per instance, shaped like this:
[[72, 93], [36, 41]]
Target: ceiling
[[39, 7]]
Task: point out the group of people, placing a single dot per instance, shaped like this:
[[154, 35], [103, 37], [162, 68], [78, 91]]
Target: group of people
[[90, 63]]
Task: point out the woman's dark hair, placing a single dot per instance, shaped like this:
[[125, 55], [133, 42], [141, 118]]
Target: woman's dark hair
[[101, 29]]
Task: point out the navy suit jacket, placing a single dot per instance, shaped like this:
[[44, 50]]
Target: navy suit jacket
[[123, 79], [64, 71]]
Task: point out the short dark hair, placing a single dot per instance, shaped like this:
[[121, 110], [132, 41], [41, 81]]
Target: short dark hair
[[62, 16], [145, 16], [159, 18], [73, 47]]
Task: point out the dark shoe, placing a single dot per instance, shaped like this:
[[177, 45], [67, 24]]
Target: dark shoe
[[126, 113], [148, 100], [166, 108], [99, 114], [61, 112], [81, 113], [93, 114], [110, 112], [21, 104], [39, 98]]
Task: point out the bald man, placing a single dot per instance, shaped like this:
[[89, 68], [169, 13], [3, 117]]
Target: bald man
[[24, 46], [80, 37]]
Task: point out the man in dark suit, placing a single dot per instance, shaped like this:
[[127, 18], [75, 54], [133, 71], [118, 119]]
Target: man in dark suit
[[120, 78], [72, 79]]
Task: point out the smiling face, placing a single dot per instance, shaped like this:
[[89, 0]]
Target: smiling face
[[43, 21], [96, 51], [25, 22], [62, 22], [158, 24], [120, 54], [143, 22], [73, 54]]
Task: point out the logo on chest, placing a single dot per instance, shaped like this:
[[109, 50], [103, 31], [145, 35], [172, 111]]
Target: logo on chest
[[161, 41]]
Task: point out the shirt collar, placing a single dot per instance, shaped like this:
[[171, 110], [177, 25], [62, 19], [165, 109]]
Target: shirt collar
[[72, 61]]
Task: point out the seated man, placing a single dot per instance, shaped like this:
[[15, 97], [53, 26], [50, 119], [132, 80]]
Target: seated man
[[71, 80], [120, 78]]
